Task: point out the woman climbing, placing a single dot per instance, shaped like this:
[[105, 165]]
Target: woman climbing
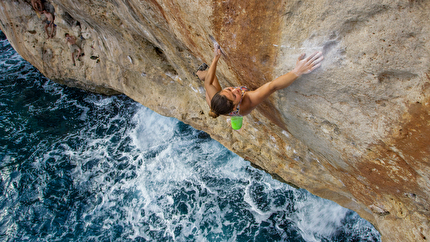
[[239, 101]]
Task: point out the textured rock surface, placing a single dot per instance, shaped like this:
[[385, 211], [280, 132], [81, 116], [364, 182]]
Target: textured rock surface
[[356, 131]]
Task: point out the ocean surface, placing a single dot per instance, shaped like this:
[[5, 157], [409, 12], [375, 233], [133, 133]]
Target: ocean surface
[[77, 166]]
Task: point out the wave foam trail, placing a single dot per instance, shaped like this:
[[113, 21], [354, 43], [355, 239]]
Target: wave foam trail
[[318, 218], [76, 166]]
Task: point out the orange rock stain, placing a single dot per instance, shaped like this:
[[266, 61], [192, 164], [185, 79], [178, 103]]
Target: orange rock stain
[[248, 31]]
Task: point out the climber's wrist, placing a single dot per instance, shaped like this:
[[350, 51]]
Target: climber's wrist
[[297, 72]]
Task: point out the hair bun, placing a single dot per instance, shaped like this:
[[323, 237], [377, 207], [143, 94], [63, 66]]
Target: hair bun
[[213, 114]]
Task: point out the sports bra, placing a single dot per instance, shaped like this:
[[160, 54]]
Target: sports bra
[[236, 112]]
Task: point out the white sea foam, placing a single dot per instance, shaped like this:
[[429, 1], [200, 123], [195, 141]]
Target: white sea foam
[[318, 218]]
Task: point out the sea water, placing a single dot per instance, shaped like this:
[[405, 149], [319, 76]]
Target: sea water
[[77, 166]]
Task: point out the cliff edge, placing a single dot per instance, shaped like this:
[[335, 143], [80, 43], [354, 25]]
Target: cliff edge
[[356, 131]]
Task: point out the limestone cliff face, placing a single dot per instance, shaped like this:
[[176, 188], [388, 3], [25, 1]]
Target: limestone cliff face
[[356, 131]]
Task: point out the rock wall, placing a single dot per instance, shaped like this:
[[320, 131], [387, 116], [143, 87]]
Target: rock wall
[[356, 131]]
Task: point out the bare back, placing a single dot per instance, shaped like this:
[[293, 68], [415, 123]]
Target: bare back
[[71, 40], [49, 16]]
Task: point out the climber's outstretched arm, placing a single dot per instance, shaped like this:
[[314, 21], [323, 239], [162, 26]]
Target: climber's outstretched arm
[[303, 66], [212, 85]]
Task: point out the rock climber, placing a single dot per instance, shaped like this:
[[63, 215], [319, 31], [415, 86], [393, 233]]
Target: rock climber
[[71, 41], [239, 101], [49, 23]]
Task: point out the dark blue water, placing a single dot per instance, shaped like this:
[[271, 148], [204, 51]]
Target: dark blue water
[[76, 166]]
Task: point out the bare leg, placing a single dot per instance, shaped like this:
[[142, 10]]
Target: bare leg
[[79, 53], [208, 99], [46, 30], [52, 30], [202, 76], [73, 58], [38, 7]]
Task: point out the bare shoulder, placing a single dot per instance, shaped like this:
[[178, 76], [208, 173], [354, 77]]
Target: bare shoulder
[[246, 105], [253, 98]]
